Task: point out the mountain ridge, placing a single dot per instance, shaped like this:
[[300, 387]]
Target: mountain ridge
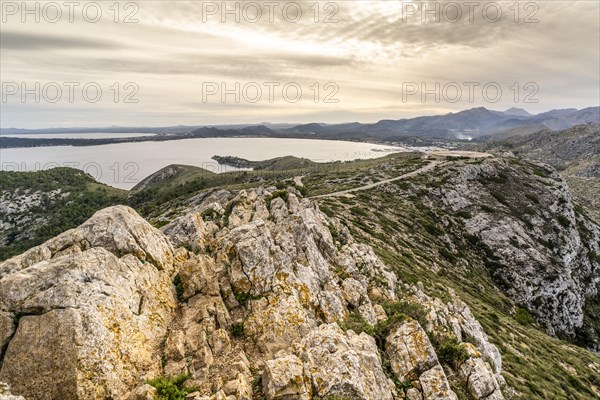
[[467, 124], [470, 266]]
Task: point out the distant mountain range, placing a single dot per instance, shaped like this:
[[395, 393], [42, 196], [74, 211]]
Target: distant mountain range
[[475, 123]]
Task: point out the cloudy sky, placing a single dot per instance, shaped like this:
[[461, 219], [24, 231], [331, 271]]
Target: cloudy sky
[[170, 63]]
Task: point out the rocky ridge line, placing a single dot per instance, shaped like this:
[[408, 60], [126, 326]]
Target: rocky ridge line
[[263, 282]]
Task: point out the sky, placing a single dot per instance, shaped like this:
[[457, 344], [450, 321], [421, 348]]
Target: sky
[[155, 63]]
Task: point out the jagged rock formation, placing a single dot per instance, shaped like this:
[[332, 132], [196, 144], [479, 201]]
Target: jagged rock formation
[[85, 314], [262, 283], [541, 250]]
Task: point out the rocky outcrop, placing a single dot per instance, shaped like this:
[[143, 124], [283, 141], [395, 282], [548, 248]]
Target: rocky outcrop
[[89, 309], [243, 288], [284, 378], [455, 319], [539, 248], [329, 362], [413, 359], [5, 393], [479, 377], [410, 351]]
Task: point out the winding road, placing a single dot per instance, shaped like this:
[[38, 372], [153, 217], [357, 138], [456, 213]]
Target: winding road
[[428, 167]]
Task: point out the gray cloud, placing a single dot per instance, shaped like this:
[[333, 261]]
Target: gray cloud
[[370, 52], [31, 41]]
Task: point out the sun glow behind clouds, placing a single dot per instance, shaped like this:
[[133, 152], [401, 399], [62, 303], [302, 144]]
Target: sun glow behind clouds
[[369, 52]]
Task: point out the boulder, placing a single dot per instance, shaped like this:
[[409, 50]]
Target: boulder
[[90, 321], [410, 351], [435, 386], [284, 379], [343, 364], [479, 379]]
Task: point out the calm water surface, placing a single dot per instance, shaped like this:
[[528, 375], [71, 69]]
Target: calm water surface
[[86, 135], [124, 165]]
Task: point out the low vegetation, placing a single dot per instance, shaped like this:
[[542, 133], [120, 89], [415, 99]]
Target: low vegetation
[[172, 387], [43, 204], [408, 231]]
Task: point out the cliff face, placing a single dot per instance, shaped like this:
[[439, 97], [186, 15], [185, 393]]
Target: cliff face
[[253, 293], [540, 248]]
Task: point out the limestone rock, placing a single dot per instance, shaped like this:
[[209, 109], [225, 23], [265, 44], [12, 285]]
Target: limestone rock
[[435, 385], [92, 320], [410, 351], [92, 313], [343, 364], [5, 393], [413, 394], [144, 392], [551, 232], [479, 378], [284, 379], [7, 329], [456, 319]]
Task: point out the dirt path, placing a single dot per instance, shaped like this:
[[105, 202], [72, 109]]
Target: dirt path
[[458, 153], [426, 168]]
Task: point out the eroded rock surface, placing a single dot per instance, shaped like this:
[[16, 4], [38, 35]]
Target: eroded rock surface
[[541, 248], [89, 309], [245, 292]]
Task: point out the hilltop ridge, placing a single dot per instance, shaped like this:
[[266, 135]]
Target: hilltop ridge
[[426, 269]]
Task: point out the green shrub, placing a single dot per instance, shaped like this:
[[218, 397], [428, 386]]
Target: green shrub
[[279, 193], [334, 232], [328, 211], [593, 256], [257, 387], [172, 387], [302, 189], [501, 199], [355, 322], [464, 214], [540, 171], [244, 298], [237, 329], [358, 211], [432, 229], [179, 288], [159, 224], [228, 210], [533, 198], [564, 221], [524, 317], [451, 352], [488, 209], [447, 254], [397, 313], [209, 214]]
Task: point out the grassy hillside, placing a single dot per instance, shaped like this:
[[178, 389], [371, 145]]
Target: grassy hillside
[[39, 205], [574, 152], [424, 242], [407, 221], [415, 234], [167, 198]]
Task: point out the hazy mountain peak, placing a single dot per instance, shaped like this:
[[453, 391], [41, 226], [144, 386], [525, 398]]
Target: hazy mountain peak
[[517, 112]]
